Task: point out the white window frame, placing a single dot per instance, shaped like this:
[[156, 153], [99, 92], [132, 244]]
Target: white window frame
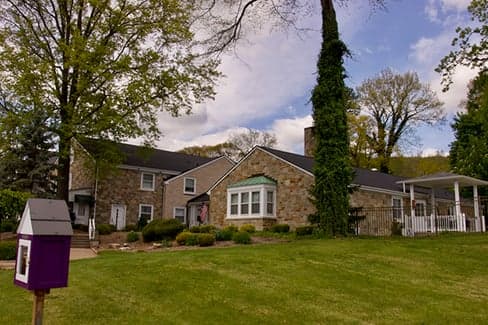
[[18, 276], [194, 185], [146, 205], [424, 212], [184, 213], [263, 192], [393, 198], [153, 181]]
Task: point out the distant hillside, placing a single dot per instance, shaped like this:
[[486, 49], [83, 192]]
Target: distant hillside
[[418, 166]]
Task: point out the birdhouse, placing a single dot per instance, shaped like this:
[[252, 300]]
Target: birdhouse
[[43, 245]]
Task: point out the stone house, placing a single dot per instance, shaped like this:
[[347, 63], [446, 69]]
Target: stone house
[[270, 186], [147, 183]]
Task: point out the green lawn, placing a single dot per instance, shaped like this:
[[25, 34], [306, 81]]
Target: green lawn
[[427, 280]]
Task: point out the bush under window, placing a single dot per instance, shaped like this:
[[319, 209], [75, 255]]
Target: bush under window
[[160, 229]]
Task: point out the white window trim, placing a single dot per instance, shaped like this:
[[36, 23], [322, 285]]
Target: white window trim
[[146, 205], [23, 277], [184, 213], [194, 185], [153, 182], [401, 204], [262, 189]]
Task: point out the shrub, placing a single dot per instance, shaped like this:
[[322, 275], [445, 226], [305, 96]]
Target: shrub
[[247, 228], [131, 227], [161, 229], [396, 228], [281, 228], [105, 229], [12, 203], [132, 237], [7, 250], [192, 240], [195, 229], [224, 234], [142, 222], [182, 237], [207, 229], [231, 228], [313, 218], [206, 239], [241, 237], [8, 225], [166, 243], [305, 230]]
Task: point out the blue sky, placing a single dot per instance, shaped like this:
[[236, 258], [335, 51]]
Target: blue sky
[[269, 78]]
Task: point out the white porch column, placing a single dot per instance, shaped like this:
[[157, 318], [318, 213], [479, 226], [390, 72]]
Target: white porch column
[[433, 211], [412, 210], [459, 226], [477, 209]]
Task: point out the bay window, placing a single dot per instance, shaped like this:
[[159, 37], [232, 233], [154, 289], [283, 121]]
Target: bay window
[[255, 201]]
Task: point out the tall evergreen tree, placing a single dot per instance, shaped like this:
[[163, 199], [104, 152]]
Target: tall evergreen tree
[[27, 151], [469, 150], [332, 165]]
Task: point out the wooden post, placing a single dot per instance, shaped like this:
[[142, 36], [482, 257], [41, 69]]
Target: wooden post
[[38, 306]]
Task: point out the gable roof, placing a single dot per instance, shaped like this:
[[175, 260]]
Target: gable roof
[[362, 176], [169, 180], [139, 156]]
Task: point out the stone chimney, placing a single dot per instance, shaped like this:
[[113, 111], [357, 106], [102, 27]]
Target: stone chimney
[[309, 141]]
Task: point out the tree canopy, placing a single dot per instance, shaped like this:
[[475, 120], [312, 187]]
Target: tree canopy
[[471, 44], [103, 68], [396, 103], [469, 150]]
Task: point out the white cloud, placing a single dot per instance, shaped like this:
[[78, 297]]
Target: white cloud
[[289, 133]]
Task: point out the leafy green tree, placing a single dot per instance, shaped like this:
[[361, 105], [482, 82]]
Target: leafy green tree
[[329, 98], [103, 68], [210, 151], [12, 203], [396, 103], [469, 150], [360, 128], [471, 43]]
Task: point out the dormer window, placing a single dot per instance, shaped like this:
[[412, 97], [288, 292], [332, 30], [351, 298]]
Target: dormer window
[[147, 181], [190, 185]]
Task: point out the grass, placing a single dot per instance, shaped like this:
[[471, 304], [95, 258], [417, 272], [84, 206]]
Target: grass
[[396, 280]]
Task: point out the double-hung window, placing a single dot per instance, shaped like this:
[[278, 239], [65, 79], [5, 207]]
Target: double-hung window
[[180, 214], [146, 212], [147, 181], [190, 185], [397, 206]]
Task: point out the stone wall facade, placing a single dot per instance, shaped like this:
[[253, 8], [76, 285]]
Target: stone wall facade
[[205, 177], [292, 192], [82, 168], [123, 186]]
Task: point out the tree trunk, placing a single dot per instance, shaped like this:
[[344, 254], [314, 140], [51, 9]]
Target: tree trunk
[[63, 168]]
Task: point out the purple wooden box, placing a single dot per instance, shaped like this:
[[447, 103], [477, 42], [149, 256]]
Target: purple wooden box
[[43, 245]]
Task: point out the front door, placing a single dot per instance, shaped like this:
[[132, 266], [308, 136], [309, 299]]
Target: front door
[[192, 216], [117, 217]]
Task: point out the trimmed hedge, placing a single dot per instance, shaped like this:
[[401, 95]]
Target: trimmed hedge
[[204, 229], [241, 237], [7, 250], [8, 225], [248, 228], [132, 237], [305, 230], [183, 236], [280, 228], [160, 229], [231, 228], [105, 229], [205, 240], [223, 235]]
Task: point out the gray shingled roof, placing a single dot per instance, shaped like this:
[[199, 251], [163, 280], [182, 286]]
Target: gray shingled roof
[[47, 217], [139, 156], [362, 176]]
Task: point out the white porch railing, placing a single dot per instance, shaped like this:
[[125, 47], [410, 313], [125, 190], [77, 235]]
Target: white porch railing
[[440, 223], [91, 228]]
